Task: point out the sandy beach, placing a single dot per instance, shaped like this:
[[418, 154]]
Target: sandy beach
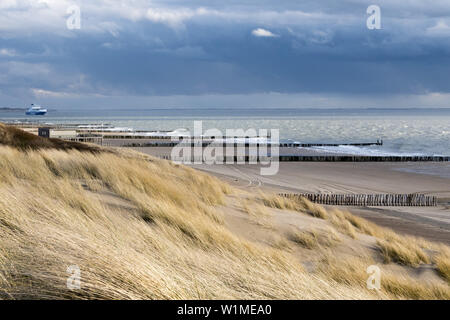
[[340, 177], [432, 223], [429, 178]]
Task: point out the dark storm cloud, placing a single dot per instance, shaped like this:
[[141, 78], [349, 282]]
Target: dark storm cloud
[[198, 47]]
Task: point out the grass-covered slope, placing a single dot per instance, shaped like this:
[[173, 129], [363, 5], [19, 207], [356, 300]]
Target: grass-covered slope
[[161, 239], [142, 228], [14, 137]]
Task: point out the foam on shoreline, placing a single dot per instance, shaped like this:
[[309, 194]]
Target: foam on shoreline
[[365, 151]]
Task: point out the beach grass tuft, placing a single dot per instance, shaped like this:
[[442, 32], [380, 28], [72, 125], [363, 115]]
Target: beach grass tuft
[[443, 263]]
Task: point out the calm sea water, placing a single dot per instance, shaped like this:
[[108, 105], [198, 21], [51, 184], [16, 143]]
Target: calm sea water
[[404, 131]]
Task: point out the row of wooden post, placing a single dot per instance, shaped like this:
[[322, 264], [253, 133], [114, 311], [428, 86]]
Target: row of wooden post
[[420, 200], [295, 158]]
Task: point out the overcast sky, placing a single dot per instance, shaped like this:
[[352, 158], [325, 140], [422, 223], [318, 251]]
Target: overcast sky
[[229, 53]]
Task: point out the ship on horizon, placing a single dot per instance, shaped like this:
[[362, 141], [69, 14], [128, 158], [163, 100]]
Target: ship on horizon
[[35, 110]]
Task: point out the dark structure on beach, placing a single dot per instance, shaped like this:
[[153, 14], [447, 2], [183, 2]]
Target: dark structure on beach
[[364, 200]]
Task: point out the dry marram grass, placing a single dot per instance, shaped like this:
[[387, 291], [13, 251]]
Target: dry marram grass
[[443, 263], [142, 228], [169, 244], [311, 239]]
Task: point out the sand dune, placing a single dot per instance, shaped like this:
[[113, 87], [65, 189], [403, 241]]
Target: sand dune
[[142, 228]]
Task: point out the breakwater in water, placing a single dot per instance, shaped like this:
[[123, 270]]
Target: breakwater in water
[[315, 158], [207, 141], [358, 158]]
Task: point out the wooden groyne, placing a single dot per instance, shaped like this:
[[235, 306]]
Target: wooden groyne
[[409, 200], [330, 158], [206, 143], [358, 158]]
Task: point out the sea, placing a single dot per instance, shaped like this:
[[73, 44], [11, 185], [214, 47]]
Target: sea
[[407, 131]]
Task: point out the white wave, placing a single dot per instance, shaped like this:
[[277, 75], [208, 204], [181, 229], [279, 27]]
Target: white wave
[[362, 151]]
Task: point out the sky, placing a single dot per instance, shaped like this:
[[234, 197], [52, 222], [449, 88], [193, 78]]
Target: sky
[[192, 53]]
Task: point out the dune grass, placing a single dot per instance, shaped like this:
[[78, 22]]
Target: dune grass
[[398, 251], [143, 228], [306, 239], [255, 209], [172, 244], [312, 239], [303, 205], [443, 263], [352, 271], [14, 137], [278, 202], [257, 212], [405, 250]]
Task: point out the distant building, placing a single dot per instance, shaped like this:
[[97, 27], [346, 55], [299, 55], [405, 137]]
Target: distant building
[[44, 132]]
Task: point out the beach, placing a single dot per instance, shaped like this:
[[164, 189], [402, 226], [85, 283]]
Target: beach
[[427, 178], [432, 223]]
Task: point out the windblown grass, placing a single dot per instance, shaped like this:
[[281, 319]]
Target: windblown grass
[[142, 228], [338, 219], [312, 239], [306, 239], [278, 202], [17, 138], [313, 209], [443, 263], [302, 205], [253, 208], [258, 213], [404, 250], [352, 272], [171, 244]]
